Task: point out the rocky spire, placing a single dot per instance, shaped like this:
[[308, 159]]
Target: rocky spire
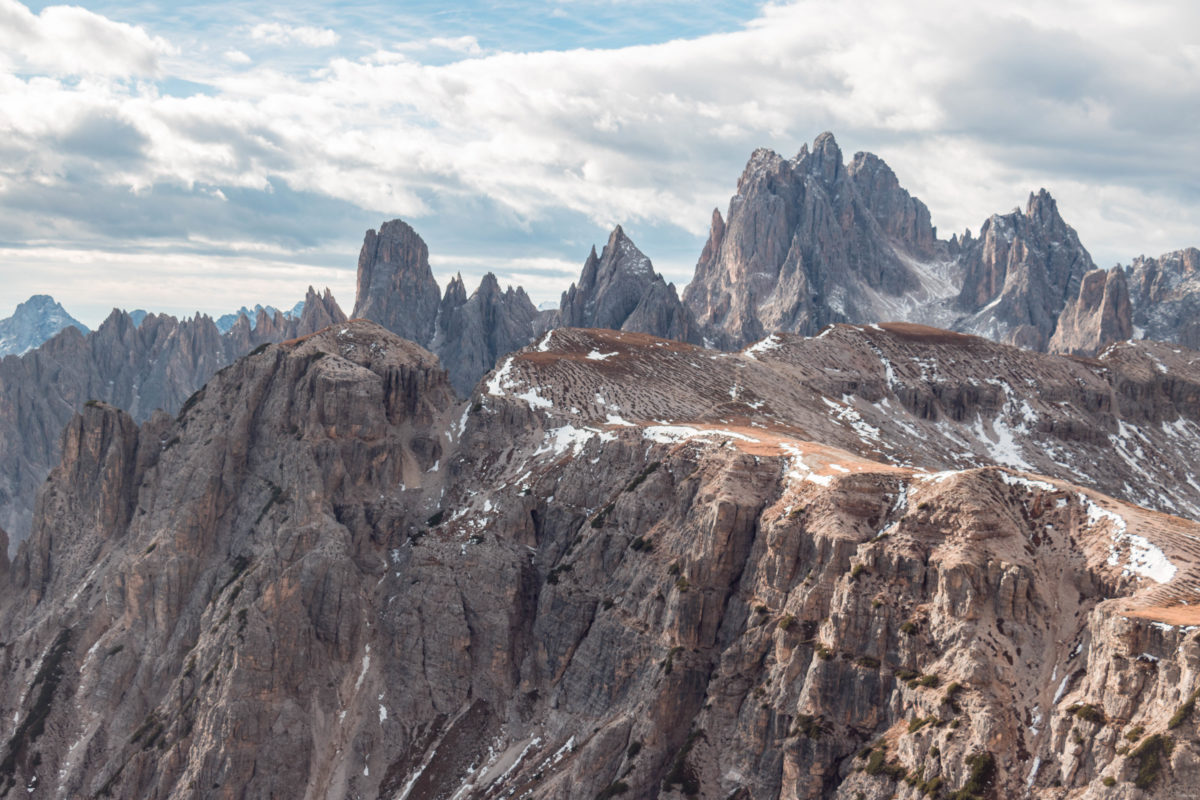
[[619, 289], [1097, 317], [320, 311], [473, 332], [1020, 274], [395, 284]]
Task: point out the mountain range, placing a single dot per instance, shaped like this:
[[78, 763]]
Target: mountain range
[[861, 513]]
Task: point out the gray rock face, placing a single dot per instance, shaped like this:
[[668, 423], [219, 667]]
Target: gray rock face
[[807, 242], [1099, 316], [620, 290], [1020, 273], [473, 332], [1165, 293], [33, 322], [140, 368], [396, 289], [625, 566], [395, 285], [904, 218]]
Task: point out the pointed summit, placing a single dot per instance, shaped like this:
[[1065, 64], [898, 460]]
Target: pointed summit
[[804, 244], [1020, 274], [473, 332], [33, 322], [619, 289], [826, 158], [395, 284]]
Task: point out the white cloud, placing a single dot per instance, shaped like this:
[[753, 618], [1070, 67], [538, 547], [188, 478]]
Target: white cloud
[[236, 57], [68, 40], [279, 34], [973, 105], [467, 45]]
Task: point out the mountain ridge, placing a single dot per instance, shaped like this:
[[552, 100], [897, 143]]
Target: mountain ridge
[[329, 576]]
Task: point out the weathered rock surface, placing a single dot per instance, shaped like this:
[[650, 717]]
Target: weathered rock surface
[[620, 290], [473, 332], [330, 578], [807, 242], [396, 288], [1165, 293], [142, 367], [1020, 273], [33, 322], [1099, 315]]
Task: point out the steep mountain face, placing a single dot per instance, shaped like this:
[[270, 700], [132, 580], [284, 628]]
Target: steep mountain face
[[473, 332], [395, 285], [808, 241], [1165, 293], [140, 368], [397, 290], [1100, 314], [620, 290], [1020, 273], [33, 322], [625, 566]]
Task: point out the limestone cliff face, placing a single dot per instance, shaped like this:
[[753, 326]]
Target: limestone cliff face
[[1100, 315], [1165, 293], [395, 285], [140, 368], [620, 290], [330, 578], [1020, 274]]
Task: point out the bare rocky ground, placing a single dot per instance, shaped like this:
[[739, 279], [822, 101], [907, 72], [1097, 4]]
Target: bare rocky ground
[[882, 562]]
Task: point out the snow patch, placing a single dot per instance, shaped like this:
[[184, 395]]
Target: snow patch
[[568, 437], [772, 342], [1144, 559], [669, 434]]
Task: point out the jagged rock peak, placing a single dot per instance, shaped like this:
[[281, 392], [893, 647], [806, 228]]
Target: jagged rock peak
[[620, 290], [33, 322], [319, 311], [396, 287], [1165, 293], [472, 332], [825, 160], [902, 216], [456, 291]]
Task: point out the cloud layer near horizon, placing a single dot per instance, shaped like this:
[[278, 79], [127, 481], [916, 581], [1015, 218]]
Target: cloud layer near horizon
[[287, 137]]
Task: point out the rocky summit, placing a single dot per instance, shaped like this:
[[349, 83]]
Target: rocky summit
[[33, 322], [887, 561], [811, 240], [863, 514], [145, 366]]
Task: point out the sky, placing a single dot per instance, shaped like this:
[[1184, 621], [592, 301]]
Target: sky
[[184, 157]]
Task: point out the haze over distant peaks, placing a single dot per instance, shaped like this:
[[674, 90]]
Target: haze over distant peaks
[[33, 322]]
